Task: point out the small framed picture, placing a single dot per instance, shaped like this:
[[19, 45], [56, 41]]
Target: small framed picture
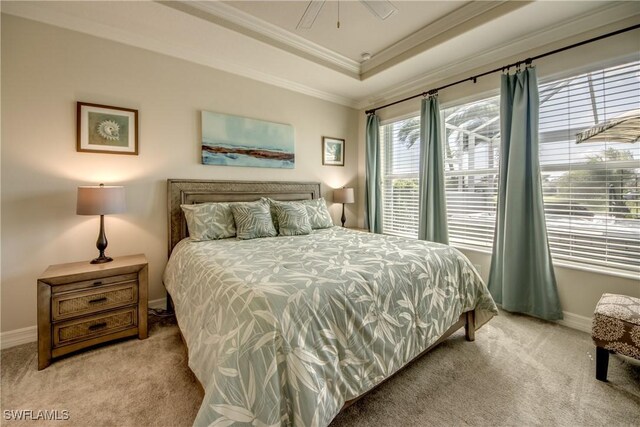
[[332, 151], [106, 129]]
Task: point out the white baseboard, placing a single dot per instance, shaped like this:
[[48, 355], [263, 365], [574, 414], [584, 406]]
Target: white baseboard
[[575, 321], [30, 334], [18, 337], [158, 303]]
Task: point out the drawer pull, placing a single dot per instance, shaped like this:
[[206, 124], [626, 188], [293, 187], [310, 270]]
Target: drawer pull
[[99, 282], [98, 326], [97, 300]]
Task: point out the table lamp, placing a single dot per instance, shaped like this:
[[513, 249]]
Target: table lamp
[[343, 195], [100, 200]]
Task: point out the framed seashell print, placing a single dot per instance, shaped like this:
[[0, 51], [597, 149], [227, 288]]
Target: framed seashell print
[[106, 129]]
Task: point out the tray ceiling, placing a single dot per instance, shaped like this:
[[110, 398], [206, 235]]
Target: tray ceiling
[[420, 44], [360, 31]]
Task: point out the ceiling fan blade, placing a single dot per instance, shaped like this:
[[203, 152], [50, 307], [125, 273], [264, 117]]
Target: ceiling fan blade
[[381, 8], [310, 14]]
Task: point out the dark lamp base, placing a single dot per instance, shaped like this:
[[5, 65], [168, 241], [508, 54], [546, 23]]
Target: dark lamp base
[[101, 260], [101, 244]]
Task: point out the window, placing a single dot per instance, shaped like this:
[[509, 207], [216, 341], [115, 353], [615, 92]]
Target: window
[[589, 156], [400, 151], [590, 161], [472, 142], [471, 148]]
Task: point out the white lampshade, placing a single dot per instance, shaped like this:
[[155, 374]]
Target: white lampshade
[[344, 195], [100, 200]]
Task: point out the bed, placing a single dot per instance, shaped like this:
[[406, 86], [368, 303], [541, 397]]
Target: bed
[[289, 330]]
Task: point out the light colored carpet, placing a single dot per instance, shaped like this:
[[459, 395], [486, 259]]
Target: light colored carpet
[[519, 371], [129, 383]]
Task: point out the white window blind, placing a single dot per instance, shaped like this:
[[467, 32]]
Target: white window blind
[[400, 152], [590, 162], [471, 147]]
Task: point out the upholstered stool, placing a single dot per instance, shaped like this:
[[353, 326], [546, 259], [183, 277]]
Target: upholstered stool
[[616, 328]]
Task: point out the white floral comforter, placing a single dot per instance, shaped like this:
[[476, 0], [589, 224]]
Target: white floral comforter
[[284, 330]]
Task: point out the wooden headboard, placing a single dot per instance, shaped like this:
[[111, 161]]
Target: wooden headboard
[[187, 191]]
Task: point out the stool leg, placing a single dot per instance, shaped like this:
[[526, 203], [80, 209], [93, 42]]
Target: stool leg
[[602, 363]]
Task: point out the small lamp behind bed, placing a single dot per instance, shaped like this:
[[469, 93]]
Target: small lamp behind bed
[[343, 195]]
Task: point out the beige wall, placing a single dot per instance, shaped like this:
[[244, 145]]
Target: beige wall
[[579, 290], [45, 70]]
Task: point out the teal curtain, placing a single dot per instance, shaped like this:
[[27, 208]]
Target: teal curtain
[[432, 223], [372, 191], [521, 276]]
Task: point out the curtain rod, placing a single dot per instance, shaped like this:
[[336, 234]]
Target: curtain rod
[[527, 61]]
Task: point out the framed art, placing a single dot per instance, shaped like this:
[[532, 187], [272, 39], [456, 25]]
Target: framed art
[[240, 141], [332, 151], [106, 129]]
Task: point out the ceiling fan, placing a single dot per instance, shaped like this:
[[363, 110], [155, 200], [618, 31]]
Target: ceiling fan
[[380, 8]]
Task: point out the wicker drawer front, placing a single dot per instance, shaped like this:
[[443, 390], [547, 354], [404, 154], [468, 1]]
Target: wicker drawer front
[[91, 327], [78, 303]]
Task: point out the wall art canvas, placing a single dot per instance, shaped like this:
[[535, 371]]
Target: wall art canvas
[[238, 141], [106, 129]]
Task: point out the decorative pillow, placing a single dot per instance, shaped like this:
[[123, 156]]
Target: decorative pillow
[[253, 220], [274, 215], [293, 219], [209, 221], [319, 216]]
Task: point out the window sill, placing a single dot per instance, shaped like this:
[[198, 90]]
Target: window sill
[[606, 271]]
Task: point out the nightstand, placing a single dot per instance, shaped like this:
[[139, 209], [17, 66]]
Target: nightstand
[[82, 304]]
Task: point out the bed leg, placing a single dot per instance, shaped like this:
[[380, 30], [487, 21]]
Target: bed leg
[[169, 303], [470, 326]]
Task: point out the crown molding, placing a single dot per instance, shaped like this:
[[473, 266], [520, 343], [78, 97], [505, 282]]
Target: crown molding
[[36, 12], [237, 20], [66, 18], [461, 20], [473, 14], [603, 16]]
